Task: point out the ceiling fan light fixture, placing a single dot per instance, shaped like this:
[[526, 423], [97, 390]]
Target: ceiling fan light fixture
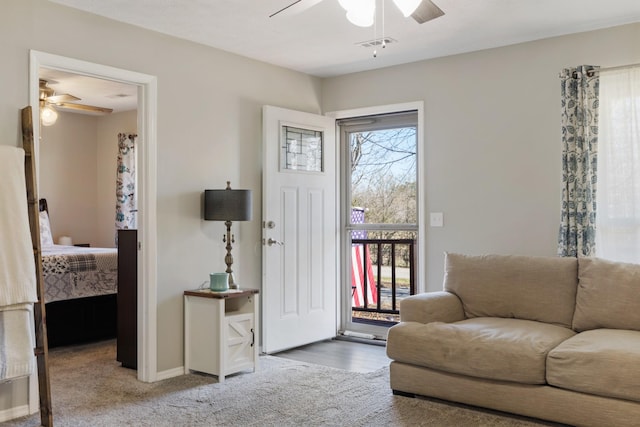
[[359, 12], [407, 7], [361, 20], [48, 115]]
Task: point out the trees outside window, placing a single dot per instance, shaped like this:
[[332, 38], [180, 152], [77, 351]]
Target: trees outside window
[[381, 185]]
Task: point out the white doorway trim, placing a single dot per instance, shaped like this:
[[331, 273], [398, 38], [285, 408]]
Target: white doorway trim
[[147, 170], [345, 310]]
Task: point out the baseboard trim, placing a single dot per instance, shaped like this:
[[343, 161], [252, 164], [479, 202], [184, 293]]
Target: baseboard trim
[[169, 373], [15, 412]]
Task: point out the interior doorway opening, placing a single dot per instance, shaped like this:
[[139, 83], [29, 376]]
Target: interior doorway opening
[[146, 86]]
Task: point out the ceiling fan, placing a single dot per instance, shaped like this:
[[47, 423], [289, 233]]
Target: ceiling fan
[[420, 10], [50, 102]]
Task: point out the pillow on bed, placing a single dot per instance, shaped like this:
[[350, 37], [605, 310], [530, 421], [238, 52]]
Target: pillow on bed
[[45, 230]]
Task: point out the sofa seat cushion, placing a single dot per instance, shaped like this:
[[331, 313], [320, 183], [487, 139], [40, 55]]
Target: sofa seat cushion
[[483, 347], [603, 362]]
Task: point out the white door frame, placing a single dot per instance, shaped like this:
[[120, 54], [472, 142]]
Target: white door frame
[[345, 295], [147, 167]]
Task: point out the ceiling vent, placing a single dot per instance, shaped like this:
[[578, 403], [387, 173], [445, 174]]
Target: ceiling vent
[[377, 42]]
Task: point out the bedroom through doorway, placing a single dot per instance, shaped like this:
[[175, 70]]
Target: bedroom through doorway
[[82, 145], [82, 119]]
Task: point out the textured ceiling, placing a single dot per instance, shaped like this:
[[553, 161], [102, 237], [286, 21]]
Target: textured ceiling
[[316, 38], [319, 40]]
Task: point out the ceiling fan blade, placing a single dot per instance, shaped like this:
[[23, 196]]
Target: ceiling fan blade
[[83, 107], [426, 12], [65, 97], [294, 7]]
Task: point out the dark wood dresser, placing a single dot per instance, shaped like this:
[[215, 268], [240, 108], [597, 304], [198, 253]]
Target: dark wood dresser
[[127, 342]]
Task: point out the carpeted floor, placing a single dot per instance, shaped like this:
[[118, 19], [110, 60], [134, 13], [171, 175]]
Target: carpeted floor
[[89, 388]]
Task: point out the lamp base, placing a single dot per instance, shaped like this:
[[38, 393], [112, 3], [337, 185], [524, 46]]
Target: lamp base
[[232, 282], [228, 259]]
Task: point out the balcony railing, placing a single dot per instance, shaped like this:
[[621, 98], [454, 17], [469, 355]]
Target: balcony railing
[[390, 264]]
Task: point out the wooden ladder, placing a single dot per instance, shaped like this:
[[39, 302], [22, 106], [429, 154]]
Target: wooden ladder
[[42, 348]]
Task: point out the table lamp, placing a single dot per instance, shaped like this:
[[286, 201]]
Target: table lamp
[[228, 205]]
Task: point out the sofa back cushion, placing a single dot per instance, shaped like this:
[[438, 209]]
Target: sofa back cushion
[[608, 295], [523, 287]]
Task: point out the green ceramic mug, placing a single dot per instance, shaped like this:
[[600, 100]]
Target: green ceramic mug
[[219, 282]]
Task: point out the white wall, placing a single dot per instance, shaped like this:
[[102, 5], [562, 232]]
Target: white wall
[[68, 178], [492, 137]]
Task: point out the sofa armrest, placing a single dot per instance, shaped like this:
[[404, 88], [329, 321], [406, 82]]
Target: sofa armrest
[[431, 307]]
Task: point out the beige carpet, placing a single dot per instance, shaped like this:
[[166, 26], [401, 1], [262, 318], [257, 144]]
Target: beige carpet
[[89, 388]]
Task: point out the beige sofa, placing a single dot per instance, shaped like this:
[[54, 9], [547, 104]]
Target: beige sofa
[[546, 337]]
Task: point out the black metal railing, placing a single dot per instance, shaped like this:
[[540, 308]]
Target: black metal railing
[[386, 253]]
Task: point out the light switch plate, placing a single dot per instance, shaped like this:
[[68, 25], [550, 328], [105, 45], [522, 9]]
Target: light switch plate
[[437, 219]]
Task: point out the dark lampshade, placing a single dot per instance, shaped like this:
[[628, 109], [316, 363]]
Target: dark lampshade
[[227, 205]]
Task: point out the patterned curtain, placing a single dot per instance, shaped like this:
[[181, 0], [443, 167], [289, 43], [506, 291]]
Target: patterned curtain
[[579, 90], [126, 182]]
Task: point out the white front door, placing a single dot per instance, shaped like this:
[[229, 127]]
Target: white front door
[[299, 274]]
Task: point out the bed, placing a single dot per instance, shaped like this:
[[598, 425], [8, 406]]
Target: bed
[[78, 272], [80, 286]]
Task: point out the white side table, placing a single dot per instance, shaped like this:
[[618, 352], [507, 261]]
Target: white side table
[[220, 330]]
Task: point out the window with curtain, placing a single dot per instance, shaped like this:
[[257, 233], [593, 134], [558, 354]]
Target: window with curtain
[[618, 196]]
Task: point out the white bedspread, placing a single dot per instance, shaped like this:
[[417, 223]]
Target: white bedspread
[[77, 272]]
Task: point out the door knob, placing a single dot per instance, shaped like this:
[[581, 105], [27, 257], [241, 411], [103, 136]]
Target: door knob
[[272, 242]]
